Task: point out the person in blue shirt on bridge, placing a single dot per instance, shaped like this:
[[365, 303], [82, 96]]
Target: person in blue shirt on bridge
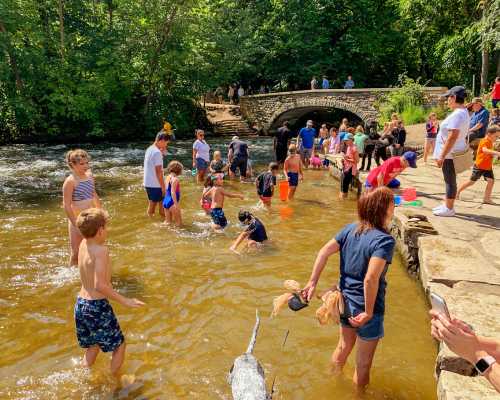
[[349, 83], [325, 84], [479, 120], [307, 136]]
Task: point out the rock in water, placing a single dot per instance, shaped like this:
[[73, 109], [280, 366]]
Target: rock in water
[[246, 376]]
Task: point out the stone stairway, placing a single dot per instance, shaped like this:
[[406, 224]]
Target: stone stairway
[[233, 127], [227, 120]]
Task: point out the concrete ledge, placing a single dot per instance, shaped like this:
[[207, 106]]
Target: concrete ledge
[[452, 386]]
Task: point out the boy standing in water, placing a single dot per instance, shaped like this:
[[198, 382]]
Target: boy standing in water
[[265, 183], [96, 324], [217, 194], [293, 170]]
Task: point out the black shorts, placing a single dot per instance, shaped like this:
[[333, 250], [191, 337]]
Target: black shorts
[[478, 173], [241, 164]]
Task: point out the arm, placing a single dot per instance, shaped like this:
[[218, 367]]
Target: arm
[[194, 157], [376, 266], [103, 285], [326, 251], [237, 242], [492, 152], [448, 145], [301, 174], [159, 176], [233, 195], [175, 186], [68, 188], [380, 179], [285, 168]]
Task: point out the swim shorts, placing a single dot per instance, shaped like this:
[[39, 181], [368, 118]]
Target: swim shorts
[[372, 330], [266, 200], [241, 164], [201, 164], [293, 178], [306, 153], [218, 217], [478, 173], [96, 324], [154, 194]]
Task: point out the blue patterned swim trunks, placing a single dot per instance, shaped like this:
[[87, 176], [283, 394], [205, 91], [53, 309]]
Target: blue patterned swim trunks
[[96, 324], [218, 217]]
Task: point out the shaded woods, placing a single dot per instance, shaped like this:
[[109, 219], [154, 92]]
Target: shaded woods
[[73, 70]]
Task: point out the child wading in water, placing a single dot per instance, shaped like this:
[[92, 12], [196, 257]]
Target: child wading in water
[[206, 201], [293, 170], [217, 195], [484, 164], [350, 165], [315, 161], [173, 194], [96, 325], [78, 194], [217, 165], [265, 183], [254, 233]]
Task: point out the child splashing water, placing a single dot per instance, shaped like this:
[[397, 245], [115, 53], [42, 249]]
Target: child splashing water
[[217, 195], [78, 195], [173, 194], [254, 233]]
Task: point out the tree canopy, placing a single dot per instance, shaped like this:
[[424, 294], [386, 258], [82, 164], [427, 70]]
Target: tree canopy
[[94, 69]]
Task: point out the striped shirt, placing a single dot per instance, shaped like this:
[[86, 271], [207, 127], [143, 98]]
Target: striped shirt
[[84, 190]]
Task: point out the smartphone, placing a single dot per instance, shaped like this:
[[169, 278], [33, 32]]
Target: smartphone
[[439, 304]]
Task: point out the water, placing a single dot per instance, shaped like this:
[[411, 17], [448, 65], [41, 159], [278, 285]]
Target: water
[[201, 298]]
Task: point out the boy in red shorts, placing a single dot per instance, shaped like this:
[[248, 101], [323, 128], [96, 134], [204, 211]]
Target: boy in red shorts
[[483, 167]]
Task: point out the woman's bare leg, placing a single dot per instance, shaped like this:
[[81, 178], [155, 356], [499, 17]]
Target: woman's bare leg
[[346, 342], [364, 357]]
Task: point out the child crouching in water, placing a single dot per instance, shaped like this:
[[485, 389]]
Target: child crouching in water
[[217, 194], [315, 161], [96, 325], [254, 233], [293, 170], [173, 194]]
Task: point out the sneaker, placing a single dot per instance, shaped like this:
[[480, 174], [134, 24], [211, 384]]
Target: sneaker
[[444, 212], [439, 207]]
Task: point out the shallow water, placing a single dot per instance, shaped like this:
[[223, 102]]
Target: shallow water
[[201, 298]]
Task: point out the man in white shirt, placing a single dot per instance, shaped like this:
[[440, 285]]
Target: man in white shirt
[[153, 173]]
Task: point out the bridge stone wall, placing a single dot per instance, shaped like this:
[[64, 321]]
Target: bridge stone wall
[[264, 109]]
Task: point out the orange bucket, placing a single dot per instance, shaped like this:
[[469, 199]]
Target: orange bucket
[[284, 190], [409, 194]]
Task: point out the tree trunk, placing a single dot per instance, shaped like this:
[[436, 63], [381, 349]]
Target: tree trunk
[[485, 58], [61, 26], [12, 58], [110, 13]]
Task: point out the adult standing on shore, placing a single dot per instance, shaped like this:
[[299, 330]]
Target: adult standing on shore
[[154, 183], [238, 157], [280, 143], [450, 139], [366, 249], [201, 155], [307, 135]]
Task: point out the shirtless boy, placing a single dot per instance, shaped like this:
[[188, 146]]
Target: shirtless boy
[[217, 194], [293, 170], [96, 324]]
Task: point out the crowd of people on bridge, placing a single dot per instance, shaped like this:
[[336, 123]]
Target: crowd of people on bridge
[[366, 246]]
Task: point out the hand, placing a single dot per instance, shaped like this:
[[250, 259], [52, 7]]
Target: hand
[[308, 292], [194, 163], [233, 249], [360, 319], [134, 303], [440, 162], [461, 341], [302, 178]]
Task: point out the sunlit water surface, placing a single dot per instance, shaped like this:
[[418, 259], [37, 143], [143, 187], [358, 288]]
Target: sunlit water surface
[[201, 298]]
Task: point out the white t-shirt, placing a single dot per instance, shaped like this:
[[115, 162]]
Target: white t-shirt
[[152, 159], [458, 119], [241, 92], [202, 150]]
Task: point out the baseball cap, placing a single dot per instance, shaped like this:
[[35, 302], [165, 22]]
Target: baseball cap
[[162, 136], [477, 100], [411, 157], [235, 137], [348, 136], [458, 91]]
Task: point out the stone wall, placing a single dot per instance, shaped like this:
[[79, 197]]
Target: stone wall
[[265, 109]]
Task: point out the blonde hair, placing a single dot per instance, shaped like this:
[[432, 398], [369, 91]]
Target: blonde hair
[[292, 149], [360, 128], [90, 221], [75, 156], [432, 114], [217, 153], [175, 167]]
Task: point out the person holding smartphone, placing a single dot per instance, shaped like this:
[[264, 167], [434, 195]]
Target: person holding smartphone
[[480, 351], [366, 249]]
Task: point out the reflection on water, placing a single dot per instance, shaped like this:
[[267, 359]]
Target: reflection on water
[[201, 298]]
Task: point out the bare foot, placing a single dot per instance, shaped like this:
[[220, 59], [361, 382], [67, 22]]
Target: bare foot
[[491, 202]]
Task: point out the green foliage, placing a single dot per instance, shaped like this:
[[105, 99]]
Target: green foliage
[[414, 115]]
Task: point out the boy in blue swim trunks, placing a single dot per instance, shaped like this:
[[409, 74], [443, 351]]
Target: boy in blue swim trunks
[[217, 194], [96, 325], [293, 170]]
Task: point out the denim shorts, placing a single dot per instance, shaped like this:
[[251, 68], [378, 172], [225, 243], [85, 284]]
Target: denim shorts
[[201, 164], [372, 330]]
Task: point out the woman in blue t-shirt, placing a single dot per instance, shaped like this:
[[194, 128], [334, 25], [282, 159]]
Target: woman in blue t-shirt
[[366, 250]]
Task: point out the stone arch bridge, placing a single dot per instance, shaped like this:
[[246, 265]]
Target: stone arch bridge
[[268, 111]]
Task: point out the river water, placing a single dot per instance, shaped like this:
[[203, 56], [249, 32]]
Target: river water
[[201, 298]]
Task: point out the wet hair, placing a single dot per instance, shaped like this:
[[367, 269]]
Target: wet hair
[[292, 149], [273, 166], [75, 156], [90, 221], [175, 167], [372, 209], [244, 216]]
